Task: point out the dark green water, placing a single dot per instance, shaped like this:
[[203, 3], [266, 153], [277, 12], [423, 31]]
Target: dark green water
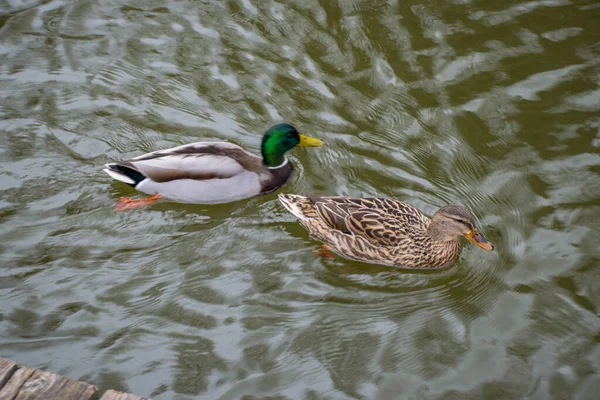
[[495, 105]]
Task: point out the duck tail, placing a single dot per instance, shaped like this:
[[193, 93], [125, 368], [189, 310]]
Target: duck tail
[[302, 207], [124, 173]]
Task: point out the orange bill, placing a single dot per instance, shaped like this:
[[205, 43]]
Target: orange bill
[[480, 240]]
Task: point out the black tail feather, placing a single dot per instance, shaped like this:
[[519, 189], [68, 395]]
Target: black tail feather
[[136, 176]]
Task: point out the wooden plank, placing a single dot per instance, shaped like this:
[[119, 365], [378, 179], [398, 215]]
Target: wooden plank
[[24, 383], [114, 395], [13, 385], [44, 385], [7, 368]]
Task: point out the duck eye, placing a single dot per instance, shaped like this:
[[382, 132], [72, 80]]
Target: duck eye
[[289, 136]]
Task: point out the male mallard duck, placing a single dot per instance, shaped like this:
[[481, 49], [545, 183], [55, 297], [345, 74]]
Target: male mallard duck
[[211, 172], [386, 231]]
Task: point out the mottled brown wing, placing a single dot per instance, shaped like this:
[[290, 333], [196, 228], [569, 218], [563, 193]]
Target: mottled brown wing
[[385, 221], [376, 225], [333, 214], [403, 212]]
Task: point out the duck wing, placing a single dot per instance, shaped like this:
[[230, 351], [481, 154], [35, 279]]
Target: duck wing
[[197, 161], [384, 221]]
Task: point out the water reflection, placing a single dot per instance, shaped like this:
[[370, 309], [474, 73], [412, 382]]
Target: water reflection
[[494, 106]]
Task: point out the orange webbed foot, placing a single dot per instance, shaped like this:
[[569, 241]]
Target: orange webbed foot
[[127, 203], [325, 252]]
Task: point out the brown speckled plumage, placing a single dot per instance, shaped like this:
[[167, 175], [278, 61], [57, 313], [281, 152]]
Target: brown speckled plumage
[[385, 231]]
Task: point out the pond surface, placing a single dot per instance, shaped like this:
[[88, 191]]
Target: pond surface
[[494, 105]]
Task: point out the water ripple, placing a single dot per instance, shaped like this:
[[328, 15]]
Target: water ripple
[[489, 105]]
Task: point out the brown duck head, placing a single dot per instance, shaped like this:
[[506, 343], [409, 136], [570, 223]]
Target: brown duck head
[[452, 221]]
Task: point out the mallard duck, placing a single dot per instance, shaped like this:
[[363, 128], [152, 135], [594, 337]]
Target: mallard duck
[[386, 231], [211, 172]]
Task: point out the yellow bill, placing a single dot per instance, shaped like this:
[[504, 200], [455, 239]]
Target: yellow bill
[[310, 142]]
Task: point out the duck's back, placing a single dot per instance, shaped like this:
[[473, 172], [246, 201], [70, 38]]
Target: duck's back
[[373, 230], [201, 172]]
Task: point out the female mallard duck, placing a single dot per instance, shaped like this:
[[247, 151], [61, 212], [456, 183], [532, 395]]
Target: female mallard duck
[[385, 231], [211, 172]]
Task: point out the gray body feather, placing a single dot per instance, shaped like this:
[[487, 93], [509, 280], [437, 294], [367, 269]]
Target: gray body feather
[[202, 172]]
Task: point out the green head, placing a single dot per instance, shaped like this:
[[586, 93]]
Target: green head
[[281, 138]]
